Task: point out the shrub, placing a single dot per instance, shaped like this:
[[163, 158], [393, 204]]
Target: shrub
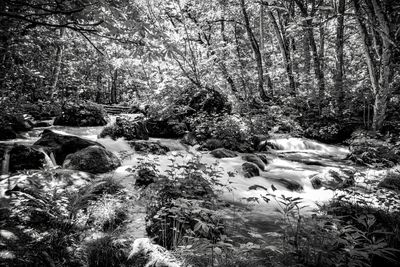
[[107, 251]]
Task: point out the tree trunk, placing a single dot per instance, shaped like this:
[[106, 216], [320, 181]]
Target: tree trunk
[[114, 87], [380, 80], [382, 96], [257, 54], [57, 68], [339, 91], [282, 41], [99, 88]]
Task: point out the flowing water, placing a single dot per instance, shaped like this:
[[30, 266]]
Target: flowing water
[[294, 159]]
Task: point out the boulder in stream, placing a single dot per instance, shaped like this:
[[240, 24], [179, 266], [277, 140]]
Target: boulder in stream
[[254, 159], [149, 147], [130, 129], [333, 179], [220, 153], [62, 144], [250, 169], [93, 159], [292, 185], [81, 114]]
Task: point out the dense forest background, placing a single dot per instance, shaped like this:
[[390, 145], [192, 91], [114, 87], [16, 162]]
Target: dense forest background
[[327, 59]]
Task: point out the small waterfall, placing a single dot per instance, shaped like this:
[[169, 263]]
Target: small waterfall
[[302, 144], [53, 159], [48, 161], [5, 165]]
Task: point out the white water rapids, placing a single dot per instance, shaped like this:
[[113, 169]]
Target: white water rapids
[[295, 159]]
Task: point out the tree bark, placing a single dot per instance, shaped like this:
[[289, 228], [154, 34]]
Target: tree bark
[[285, 52], [57, 68], [319, 74], [339, 57], [257, 54], [114, 94], [380, 75], [382, 96]]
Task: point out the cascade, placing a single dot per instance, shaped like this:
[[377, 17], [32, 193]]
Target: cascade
[[302, 144], [48, 162]]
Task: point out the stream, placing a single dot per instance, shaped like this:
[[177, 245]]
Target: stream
[[293, 159]]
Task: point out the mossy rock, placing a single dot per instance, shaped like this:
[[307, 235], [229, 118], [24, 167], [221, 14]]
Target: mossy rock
[[82, 114]]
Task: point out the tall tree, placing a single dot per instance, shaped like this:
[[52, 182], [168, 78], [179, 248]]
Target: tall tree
[[341, 6], [308, 18], [377, 39], [257, 54]]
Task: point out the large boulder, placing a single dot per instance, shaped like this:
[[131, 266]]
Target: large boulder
[[220, 153], [93, 159], [333, 179], [62, 144], [126, 128], [83, 114], [250, 170], [25, 158]]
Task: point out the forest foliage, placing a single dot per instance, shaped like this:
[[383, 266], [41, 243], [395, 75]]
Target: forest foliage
[[335, 60]]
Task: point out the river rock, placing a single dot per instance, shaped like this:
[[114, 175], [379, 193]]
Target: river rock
[[82, 114], [129, 129], [62, 144], [254, 159], [189, 139], [250, 170], [333, 179], [149, 147], [291, 184], [220, 153], [93, 159], [259, 142], [24, 158]]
